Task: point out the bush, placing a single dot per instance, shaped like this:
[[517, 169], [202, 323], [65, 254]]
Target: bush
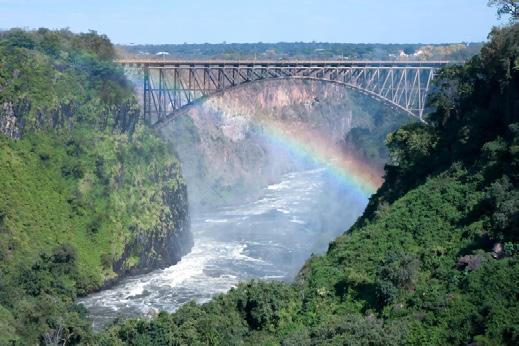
[[397, 272]]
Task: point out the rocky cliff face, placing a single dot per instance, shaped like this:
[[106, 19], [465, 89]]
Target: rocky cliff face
[[136, 247], [10, 123], [163, 246], [223, 148], [119, 201]]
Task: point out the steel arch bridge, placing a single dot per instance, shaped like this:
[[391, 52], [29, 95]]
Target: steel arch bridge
[[170, 86]]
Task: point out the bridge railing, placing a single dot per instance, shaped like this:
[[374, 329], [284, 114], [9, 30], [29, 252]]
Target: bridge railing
[[160, 63], [170, 85]]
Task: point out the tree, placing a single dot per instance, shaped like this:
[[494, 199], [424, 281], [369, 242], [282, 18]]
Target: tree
[[506, 7], [397, 272]]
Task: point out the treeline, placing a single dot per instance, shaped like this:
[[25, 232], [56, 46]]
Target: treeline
[[432, 261], [35, 66], [302, 50]]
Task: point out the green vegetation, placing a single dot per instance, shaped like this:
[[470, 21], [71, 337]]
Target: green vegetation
[[302, 50], [57, 79], [80, 182], [434, 259], [424, 264]]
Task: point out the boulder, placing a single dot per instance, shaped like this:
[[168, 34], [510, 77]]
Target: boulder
[[469, 262]]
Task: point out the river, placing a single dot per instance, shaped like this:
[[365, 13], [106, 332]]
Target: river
[[269, 239]]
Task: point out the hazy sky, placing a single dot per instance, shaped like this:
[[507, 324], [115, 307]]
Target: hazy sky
[[214, 21]]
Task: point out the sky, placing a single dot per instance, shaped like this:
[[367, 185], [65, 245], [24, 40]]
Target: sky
[[216, 21]]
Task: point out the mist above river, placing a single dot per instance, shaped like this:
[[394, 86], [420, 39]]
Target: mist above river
[[263, 198], [269, 238]]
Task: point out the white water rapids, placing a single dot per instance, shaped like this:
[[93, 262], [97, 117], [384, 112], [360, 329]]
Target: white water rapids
[[267, 239]]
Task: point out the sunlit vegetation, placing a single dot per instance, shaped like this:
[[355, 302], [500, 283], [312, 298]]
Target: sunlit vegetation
[[432, 261], [302, 50], [80, 179]]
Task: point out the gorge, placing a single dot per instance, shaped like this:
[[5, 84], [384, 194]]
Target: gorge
[[266, 166], [425, 263], [282, 212]]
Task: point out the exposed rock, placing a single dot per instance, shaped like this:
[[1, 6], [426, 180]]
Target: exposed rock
[[469, 262], [10, 125], [498, 251], [16, 118], [163, 246], [231, 144]]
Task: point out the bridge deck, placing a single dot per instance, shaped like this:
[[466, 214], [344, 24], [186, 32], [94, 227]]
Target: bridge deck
[[280, 63], [170, 85]]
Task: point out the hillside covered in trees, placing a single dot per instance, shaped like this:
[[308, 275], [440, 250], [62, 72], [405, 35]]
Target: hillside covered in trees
[[433, 260], [87, 193]]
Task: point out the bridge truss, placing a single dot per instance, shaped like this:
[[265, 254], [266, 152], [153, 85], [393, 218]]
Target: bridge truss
[[170, 86]]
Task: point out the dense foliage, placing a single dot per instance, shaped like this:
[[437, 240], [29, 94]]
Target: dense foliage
[[432, 261], [302, 50], [57, 79], [79, 180]]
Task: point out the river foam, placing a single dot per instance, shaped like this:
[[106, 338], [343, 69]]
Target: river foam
[[268, 239]]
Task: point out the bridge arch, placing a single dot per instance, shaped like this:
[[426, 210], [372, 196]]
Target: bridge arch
[[163, 121], [171, 86]]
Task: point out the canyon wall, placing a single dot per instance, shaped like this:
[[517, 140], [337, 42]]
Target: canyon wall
[[227, 154]]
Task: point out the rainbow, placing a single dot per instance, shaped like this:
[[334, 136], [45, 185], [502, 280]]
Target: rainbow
[[313, 146]]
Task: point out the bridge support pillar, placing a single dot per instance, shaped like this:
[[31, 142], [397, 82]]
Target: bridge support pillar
[[147, 97]]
